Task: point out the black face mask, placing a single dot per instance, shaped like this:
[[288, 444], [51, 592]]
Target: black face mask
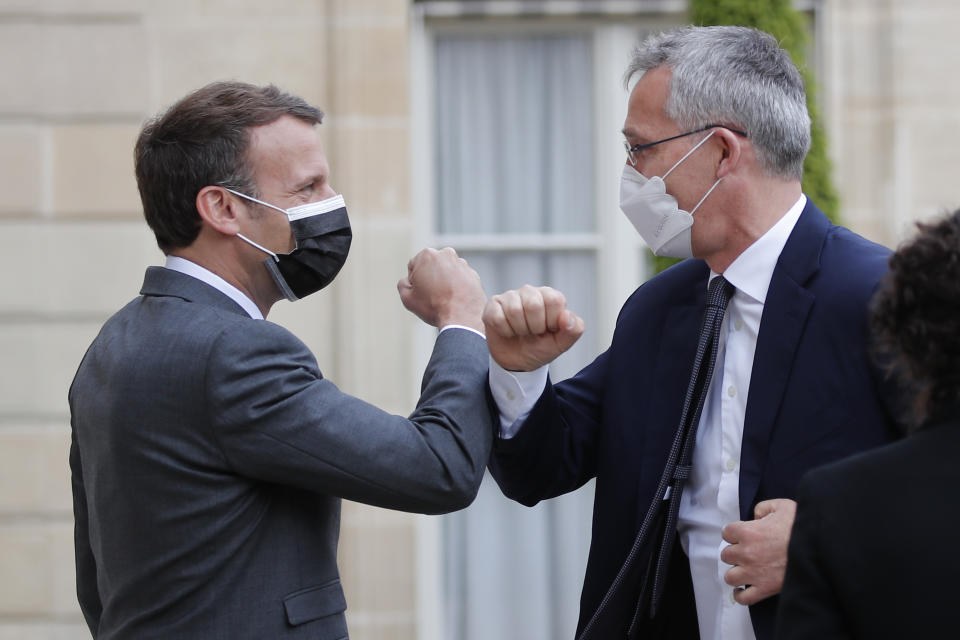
[[322, 232]]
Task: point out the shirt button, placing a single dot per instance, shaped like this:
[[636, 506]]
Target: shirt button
[[731, 464], [732, 391], [738, 324], [511, 395]]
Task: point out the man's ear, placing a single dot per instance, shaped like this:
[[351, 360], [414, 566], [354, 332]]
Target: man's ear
[[218, 210], [730, 148]]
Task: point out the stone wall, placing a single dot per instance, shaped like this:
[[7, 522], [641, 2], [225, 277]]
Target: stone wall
[[892, 109], [79, 79]]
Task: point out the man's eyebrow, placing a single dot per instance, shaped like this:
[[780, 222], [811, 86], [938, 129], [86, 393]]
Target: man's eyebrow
[[307, 181], [632, 133]]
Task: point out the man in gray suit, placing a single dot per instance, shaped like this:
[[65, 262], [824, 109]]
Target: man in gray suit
[[209, 454]]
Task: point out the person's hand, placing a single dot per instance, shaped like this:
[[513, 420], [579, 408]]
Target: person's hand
[[529, 327], [442, 289], [758, 551]]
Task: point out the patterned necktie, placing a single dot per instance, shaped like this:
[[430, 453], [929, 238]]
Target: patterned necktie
[[661, 516]]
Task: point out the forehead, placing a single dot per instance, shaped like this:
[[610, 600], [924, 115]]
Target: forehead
[[287, 149], [646, 109]]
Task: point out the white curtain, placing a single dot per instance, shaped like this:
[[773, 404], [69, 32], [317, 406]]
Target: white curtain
[[514, 155], [514, 152]]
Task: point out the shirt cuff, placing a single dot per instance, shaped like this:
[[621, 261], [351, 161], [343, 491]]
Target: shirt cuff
[[515, 392], [460, 326]]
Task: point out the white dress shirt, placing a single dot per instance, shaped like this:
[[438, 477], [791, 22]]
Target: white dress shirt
[[711, 498]]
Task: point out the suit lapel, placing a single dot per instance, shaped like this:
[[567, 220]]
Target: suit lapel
[[785, 313]]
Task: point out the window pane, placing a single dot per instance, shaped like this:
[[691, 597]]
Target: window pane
[[514, 147], [514, 155], [516, 572]]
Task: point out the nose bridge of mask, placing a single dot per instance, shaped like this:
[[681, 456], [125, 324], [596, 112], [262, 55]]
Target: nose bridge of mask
[[316, 208], [646, 188], [631, 174]]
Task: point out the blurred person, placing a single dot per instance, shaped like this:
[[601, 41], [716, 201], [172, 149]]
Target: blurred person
[[209, 454], [873, 553], [754, 351]]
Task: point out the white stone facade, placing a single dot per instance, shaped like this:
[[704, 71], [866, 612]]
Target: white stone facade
[[79, 78]]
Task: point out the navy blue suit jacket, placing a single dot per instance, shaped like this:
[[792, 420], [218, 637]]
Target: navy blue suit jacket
[[813, 398]]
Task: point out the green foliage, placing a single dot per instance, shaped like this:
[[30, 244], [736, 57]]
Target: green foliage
[[776, 17], [789, 27], [661, 263]]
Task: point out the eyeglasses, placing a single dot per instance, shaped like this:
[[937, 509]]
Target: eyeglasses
[[640, 147]]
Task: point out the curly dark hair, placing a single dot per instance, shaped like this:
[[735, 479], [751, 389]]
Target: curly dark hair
[[915, 319], [202, 140]]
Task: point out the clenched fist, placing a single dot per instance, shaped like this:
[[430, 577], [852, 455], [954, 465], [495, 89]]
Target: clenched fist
[[442, 289], [529, 327]]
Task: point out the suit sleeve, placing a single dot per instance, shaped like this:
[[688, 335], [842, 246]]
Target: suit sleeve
[[87, 592], [277, 419], [809, 605], [554, 450]]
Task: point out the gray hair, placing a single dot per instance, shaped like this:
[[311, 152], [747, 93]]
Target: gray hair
[[736, 76]]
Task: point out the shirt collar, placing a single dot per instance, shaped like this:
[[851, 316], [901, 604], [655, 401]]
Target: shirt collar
[[184, 266], [752, 270]]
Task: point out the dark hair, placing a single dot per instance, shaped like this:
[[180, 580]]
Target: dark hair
[[915, 318], [202, 140]]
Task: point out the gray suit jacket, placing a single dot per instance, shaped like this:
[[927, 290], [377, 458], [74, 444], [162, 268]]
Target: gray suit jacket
[[209, 457]]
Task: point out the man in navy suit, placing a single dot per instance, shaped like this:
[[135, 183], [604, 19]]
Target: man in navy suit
[[716, 133]]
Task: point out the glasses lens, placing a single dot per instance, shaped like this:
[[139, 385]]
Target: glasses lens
[[630, 158]]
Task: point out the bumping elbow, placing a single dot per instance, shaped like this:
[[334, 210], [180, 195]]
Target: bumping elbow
[[459, 491]]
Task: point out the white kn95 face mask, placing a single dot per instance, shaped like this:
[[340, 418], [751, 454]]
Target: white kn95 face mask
[[655, 214]]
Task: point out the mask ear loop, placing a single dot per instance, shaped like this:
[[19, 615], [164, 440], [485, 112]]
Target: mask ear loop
[[709, 191], [254, 244], [245, 238], [685, 156]]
